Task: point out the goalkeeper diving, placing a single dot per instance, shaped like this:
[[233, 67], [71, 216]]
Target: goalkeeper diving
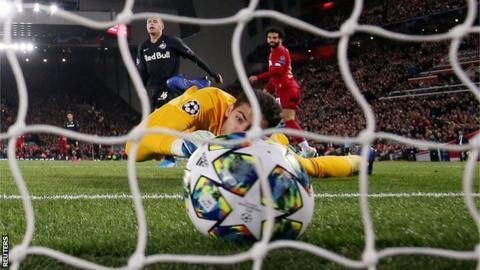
[[214, 110]]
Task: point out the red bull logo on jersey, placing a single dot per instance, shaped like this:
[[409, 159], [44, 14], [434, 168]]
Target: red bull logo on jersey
[[157, 55]]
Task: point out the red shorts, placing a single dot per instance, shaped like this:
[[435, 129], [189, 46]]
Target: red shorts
[[289, 97]]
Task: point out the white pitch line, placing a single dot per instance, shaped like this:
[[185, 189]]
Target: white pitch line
[[178, 196], [395, 195]]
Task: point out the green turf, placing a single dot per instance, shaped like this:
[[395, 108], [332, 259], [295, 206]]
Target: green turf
[[104, 231]]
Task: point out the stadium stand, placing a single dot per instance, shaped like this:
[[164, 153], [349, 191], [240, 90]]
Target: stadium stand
[[412, 89], [98, 111]]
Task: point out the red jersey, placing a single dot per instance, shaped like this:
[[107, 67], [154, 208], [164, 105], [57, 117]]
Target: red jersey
[[279, 72], [20, 142], [62, 143]]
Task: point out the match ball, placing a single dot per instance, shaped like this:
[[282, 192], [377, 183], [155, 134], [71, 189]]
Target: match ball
[[223, 193]]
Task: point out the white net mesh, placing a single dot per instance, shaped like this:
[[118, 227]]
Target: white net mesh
[[371, 256]]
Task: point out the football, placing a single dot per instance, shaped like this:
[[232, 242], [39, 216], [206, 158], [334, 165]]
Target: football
[[223, 194]]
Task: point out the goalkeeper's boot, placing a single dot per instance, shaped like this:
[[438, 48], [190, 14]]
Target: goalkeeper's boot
[[168, 162], [180, 83], [309, 152]]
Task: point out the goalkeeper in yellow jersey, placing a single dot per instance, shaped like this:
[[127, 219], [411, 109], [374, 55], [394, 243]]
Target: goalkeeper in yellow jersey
[[218, 112]]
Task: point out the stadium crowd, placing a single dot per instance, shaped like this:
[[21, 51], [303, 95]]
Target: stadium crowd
[[329, 108], [381, 66]]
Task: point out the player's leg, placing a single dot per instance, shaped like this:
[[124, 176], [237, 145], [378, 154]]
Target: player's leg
[[289, 117], [160, 98], [78, 154], [70, 148], [325, 166], [162, 95], [372, 154], [290, 100], [169, 161], [180, 83], [332, 166]]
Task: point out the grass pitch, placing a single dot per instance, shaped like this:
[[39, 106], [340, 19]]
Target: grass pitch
[[105, 230]]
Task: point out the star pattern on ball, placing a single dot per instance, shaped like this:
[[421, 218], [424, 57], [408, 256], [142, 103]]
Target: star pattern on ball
[[247, 210], [209, 170], [268, 167]]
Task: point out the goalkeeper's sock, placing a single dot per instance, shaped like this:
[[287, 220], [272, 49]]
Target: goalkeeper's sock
[[280, 138], [329, 166], [355, 161], [283, 140]]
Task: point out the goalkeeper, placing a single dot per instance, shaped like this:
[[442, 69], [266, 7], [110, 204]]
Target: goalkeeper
[[214, 110]]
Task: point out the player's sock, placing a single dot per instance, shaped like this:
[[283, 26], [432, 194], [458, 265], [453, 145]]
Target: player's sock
[[304, 145], [294, 125], [307, 150]]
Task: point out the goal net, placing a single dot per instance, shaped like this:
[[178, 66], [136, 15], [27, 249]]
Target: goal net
[[139, 259]]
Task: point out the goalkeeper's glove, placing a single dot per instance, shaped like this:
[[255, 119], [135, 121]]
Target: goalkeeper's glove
[[185, 148], [188, 148]]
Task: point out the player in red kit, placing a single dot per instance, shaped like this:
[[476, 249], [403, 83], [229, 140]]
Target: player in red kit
[[282, 82], [62, 145], [20, 146]]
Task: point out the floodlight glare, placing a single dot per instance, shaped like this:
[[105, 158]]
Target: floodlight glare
[[36, 8], [5, 8], [53, 8], [23, 46]]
